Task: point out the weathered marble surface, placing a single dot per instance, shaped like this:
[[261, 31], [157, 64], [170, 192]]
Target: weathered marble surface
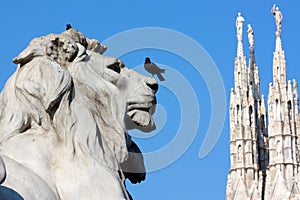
[[64, 116]]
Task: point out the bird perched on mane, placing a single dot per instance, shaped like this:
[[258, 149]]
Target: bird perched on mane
[[152, 68], [68, 26]]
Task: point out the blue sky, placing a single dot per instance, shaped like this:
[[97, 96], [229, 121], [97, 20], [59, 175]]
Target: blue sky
[[210, 24]]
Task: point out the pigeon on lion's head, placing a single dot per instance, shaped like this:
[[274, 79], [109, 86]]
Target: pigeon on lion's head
[[64, 118]]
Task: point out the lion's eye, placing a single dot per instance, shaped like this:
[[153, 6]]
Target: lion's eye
[[115, 67]]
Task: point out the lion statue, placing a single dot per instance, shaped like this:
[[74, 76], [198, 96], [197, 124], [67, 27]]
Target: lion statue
[[64, 116]]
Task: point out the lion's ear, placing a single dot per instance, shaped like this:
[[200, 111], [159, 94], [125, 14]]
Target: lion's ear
[[34, 49], [94, 45]]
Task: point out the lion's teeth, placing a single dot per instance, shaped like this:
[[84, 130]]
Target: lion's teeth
[[139, 117]]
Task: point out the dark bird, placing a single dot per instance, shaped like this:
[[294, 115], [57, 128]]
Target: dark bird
[[68, 26], [152, 68]]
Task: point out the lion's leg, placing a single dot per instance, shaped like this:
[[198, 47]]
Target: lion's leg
[[22, 183]]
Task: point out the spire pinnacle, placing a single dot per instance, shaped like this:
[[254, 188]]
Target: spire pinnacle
[[251, 42], [278, 18], [250, 35], [239, 29], [279, 63]]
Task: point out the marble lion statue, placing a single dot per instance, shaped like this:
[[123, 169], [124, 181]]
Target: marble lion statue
[[64, 116]]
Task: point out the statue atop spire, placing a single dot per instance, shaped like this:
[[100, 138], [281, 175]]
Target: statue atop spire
[[278, 18], [250, 35], [239, 33], [239, 26]]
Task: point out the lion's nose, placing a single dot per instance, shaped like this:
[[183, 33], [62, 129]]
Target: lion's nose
[[153, 86]]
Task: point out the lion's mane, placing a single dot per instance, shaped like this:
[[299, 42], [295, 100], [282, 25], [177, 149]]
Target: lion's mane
[[58, 89]]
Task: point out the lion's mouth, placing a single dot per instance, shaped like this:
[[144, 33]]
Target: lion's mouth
[[140, 115]]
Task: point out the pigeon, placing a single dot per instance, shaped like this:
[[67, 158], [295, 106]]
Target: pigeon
[[68, 26], [152, 68]]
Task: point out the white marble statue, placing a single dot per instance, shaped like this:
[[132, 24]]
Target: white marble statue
[[250, 35], [239, 26], [278, 18], [64, 116]]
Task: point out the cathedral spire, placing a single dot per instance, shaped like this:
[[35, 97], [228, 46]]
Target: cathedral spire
[[279, 62], [282, 127], [240, 69], [251, 42], [239, 29], [244, 98], [253, 69], [264, 138]]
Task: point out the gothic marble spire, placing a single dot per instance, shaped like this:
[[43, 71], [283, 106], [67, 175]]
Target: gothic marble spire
[[264, 139], [253, 69], [239, 29], [240, 69], [243, 177], [279, 62]]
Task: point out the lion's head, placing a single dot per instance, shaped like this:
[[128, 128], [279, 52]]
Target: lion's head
[[138, 91], [66, 87]]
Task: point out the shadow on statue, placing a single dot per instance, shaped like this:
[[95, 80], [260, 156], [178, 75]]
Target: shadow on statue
[[9, 194]]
